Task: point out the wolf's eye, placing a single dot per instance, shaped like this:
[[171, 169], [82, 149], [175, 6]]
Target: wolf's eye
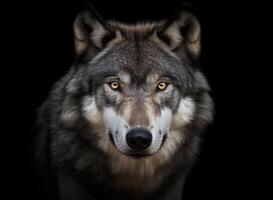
[[114, 85], [161, 86]]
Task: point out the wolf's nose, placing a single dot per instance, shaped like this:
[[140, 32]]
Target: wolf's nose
[[139, 139]]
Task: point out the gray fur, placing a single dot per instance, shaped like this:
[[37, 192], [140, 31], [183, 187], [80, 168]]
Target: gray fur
[[74, 164]]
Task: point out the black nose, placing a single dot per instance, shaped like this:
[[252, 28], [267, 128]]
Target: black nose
[[139, 139]]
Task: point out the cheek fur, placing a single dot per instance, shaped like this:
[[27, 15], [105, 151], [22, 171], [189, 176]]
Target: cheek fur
[[184, 113], [91, 112], [112, 121], [116, 125]]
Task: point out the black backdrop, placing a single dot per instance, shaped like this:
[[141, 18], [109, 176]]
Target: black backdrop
[[236, 155]]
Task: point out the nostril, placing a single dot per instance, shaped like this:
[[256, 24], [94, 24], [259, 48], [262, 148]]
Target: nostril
[[132, 142], [146, 142], [139, 139]]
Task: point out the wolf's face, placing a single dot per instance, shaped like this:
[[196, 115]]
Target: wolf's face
[[139, 100], [138, 86], [137, 118]]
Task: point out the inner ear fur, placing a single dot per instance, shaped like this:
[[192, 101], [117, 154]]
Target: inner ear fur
[[182, 31], [91, 31]]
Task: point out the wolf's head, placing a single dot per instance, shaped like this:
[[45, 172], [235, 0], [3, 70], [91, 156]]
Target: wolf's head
[[137, 86]]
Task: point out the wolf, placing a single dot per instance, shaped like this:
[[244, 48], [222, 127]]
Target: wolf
[[125, 121]]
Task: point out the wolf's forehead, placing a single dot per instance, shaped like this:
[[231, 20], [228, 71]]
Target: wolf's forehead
[[124, 77], [127, 78], [137, 57], [140, 56]]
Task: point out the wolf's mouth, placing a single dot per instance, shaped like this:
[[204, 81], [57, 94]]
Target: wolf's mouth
[[136, 154], [111, 138], [163, 140]]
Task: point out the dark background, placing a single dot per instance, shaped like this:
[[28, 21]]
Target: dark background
[[236, 155]]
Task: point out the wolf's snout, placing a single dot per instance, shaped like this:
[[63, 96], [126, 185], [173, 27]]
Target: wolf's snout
[[139, 139]]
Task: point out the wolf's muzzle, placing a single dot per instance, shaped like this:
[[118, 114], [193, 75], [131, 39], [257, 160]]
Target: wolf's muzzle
[[139, 139]]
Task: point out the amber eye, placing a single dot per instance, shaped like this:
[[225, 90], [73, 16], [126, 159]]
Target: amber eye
[[162, 86], [114, 85]]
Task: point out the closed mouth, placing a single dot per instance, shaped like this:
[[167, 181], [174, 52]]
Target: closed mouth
[[163, 140], [111, 138], [137, 154]]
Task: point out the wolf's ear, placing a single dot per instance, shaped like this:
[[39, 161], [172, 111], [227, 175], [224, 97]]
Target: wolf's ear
[[182, 31], [91, 31]]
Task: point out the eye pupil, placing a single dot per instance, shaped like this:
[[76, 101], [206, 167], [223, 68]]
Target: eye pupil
[[114, 85], [161, 86]]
